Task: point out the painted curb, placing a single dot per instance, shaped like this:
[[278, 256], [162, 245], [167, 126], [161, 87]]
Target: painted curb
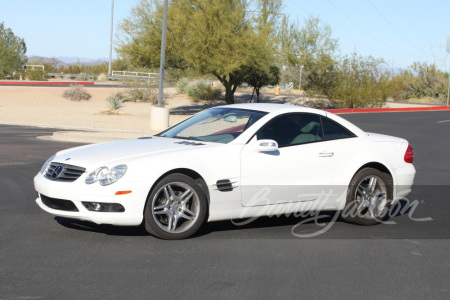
[[44, 83]]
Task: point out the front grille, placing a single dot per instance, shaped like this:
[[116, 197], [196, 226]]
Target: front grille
[[63, 172], [59, 204]]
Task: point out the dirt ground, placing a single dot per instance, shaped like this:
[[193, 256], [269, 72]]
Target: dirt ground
[[47, 106]]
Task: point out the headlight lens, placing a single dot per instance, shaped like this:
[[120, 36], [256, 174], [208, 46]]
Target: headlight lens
[[45, 166], [106, 176]]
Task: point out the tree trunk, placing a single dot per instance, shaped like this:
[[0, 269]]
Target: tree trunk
[[257, 95], [230, 85], [251, 98], [229, 94]]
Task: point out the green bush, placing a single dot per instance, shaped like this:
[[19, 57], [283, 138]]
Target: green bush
[[143, 92], [76, 93], [36, 75], [423, 82], [199, 90], [115, 102], [182, 86]]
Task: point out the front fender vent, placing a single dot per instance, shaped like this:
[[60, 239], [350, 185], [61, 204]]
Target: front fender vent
[[225, 185]]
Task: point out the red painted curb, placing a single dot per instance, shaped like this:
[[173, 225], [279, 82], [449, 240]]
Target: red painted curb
[[372, 110], [45, 83]]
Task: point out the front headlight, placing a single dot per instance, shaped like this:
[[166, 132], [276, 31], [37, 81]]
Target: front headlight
[[45, 166], [106, 176]]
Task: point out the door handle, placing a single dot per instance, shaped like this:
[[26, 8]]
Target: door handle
[[326, 154]]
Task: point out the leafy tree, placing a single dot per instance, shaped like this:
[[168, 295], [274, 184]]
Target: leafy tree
[[312, 46], [12, 51], [213, 37], [257, 78], [359, 82]]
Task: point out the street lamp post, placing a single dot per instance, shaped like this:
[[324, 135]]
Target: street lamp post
[[159, 115], [111, 38], [300, 80]]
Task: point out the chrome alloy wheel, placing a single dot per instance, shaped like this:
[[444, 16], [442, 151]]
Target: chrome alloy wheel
[[175, 207], [370, 196]]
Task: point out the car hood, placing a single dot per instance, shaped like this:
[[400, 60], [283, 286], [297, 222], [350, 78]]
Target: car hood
[[93, 156]]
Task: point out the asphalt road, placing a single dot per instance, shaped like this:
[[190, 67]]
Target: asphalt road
[[42, 257]]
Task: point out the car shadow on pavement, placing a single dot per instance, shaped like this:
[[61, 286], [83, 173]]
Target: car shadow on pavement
[[105, 229], [308, 220]]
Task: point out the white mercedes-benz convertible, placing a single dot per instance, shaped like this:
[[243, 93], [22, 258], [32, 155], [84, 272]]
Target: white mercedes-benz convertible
[[230, 162]]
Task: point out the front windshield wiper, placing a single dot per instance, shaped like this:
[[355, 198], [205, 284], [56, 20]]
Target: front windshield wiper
[[191, 138]]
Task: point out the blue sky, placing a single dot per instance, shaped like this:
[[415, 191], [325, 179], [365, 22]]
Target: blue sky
[[398, 31]]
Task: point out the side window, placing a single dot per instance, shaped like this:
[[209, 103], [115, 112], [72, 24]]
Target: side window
[[333, 131], [292, 129]]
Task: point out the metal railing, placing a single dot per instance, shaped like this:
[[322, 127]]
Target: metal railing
[[123, 75]]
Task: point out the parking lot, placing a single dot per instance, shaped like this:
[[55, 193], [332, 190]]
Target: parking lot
[[42, 257]]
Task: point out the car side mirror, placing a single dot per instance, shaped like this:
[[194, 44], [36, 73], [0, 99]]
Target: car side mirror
[[266, 146]]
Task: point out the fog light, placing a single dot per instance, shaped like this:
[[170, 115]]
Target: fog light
[[103, 207], [96, 206]]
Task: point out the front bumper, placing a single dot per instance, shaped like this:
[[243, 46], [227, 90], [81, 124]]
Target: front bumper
[[77, 192]]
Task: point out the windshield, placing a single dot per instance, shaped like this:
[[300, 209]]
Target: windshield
[[219, 125]]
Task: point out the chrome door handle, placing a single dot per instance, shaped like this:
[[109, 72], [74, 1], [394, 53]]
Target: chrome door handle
[[326, 154]]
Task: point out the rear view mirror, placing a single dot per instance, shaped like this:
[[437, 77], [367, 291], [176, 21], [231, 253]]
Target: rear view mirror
[[266, 146], [231, 119]]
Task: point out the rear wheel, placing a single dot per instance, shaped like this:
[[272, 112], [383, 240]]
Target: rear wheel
[[368, 198], [176, 208]]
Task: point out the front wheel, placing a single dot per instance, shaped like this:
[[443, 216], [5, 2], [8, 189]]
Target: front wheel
[[176, 208], [368, 198]]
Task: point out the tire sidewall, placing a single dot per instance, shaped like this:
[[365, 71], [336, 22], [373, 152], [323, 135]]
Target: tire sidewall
[[348, 214], [150, 224]]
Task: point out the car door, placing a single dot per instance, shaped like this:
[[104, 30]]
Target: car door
[[300, 170]]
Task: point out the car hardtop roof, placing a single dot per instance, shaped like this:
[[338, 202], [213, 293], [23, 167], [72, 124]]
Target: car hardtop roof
[[274, 107]]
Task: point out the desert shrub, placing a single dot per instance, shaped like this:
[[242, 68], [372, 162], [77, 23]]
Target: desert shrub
[[102, 78], [83, 77], [36, 75], [359, 82], [115, 103], [143, 92], [76, 93], [202, 91], [423, 82], [182, 86]]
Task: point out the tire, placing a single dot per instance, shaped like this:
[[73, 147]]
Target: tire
[[369, 197], [175, 208]]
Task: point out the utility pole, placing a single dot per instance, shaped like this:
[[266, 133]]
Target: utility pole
[[111, 38], [163, 55], [159, 115]]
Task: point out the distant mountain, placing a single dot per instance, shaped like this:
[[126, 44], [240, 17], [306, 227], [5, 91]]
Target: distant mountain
[[82, 60], [57, 62], [62, 61]]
